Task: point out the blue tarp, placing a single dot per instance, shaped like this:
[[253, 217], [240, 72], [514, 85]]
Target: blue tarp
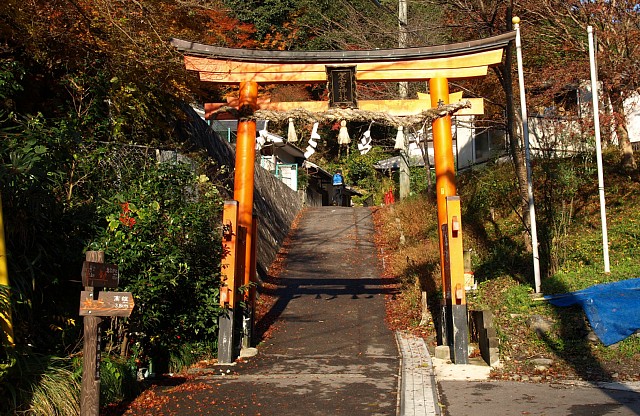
[[613, 309]]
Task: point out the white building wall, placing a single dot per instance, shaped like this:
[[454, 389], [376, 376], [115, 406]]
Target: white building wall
[[632, 110], [464, 145]]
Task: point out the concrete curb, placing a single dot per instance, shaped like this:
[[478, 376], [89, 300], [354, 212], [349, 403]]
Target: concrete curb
[[476, 370], [418, 387]]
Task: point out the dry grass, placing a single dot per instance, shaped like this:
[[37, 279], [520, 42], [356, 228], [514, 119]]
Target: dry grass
[[406, 235], [57, 393]]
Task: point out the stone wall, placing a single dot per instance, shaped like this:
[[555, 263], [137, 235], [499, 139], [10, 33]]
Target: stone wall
[[483, 332], [275, 204]]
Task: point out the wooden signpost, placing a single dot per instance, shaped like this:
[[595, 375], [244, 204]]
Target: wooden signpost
[[96, 274], [95, 304]]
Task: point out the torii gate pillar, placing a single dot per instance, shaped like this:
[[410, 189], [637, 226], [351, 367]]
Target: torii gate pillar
[[243, 192], [443, 158], [454, 320]]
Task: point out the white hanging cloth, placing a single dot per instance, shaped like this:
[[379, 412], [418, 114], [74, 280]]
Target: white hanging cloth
[[309, 151], [291, 134], [343, 134], [262, 137], [400, 144], [365, 142], [314, 136], [314, 132]]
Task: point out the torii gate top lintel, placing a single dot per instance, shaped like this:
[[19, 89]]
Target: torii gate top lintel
[[338, 57], [233, 66]]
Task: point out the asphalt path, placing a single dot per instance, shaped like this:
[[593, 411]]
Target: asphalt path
[[507, 398], [330, 352]]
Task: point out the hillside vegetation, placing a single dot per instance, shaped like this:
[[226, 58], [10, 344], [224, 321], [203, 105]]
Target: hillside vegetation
[[569, 231]]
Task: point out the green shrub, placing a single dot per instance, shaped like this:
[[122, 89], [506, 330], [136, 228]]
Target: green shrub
[[189, 354], [359, 172], [162, 231], [420, 180], [118, 379]]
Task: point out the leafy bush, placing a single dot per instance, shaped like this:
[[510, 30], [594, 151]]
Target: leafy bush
[[162, 231], [359, 172], [118, 379], [44, 232], [420, 180]]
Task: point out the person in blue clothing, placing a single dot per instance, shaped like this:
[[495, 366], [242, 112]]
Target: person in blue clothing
[[338, 187]]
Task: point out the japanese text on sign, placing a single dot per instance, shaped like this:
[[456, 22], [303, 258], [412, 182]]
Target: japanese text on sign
[[342, 86]]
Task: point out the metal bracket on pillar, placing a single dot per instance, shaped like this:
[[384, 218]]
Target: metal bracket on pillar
[[445, 334], [231, 265], [456, 298]]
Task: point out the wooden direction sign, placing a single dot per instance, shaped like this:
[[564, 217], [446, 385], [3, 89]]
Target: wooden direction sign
[[99, 274], [107, 304]]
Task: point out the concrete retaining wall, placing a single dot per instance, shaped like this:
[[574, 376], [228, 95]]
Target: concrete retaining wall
[[275, 204]]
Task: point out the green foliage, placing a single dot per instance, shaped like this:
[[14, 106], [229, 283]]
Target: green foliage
[[57, 197], [57, 181], [117, 379], [11, 74], [490, 189], [189, 354], [560, 182], [162, 231], [281, 24], [57, 393], [505, 256], [517, 299], [5, 311], [303, 179], [33, 159], [419, 179], [626, 349], [359, 172]]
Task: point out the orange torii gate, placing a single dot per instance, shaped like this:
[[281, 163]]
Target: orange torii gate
[[341, 70]]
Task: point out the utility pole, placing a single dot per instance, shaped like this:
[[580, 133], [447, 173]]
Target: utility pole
[[402, 41], [527, 152], [596, 126], [402, 92]]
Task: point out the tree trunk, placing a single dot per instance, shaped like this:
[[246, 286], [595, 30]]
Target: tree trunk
[[515, 148], [424, 148], [628, 161]]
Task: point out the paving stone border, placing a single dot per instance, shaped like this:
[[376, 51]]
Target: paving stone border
[[418, 387]]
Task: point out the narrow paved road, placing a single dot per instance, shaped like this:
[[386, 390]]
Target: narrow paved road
[[330, 352]]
